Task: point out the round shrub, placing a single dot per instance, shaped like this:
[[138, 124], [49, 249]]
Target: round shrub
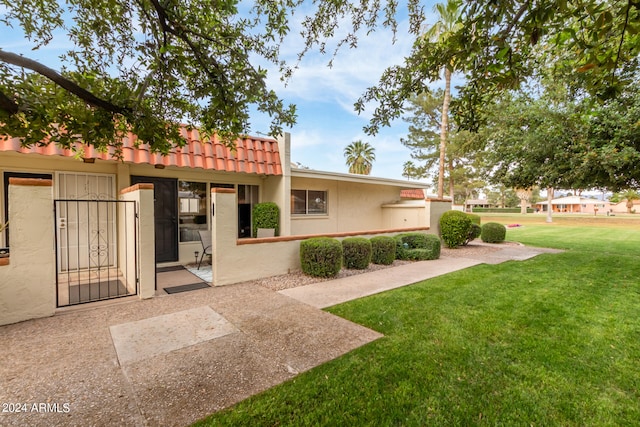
[[474, 232], [455, 227], [417, 246], [383, 250], [321, 256], [432, 247], [492, 232], [266, 215], [356, 253]]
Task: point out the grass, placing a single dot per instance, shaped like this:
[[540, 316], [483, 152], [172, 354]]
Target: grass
[[550, 341]]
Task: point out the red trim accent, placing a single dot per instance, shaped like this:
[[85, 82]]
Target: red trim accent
[[250, 241], [34, 182]]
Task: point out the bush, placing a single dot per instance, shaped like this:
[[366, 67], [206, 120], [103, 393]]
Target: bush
[[417, 246], [321, 256], [356, 252], [383, 250], [501, 210], [474, 232], [455, 227], [492, 232], [266, 215]]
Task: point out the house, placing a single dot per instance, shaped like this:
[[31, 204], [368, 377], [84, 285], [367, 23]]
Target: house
[[575, 204], [621, 207], [111, 222], [470, 204]]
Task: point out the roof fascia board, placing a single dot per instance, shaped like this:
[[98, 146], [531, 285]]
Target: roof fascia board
[[363, 179]]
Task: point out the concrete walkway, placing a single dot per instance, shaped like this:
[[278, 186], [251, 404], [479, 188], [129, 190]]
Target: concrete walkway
[[326, 294], [171, 360]]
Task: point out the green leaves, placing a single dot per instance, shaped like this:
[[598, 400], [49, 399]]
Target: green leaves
[[154, 64], [359, 157]]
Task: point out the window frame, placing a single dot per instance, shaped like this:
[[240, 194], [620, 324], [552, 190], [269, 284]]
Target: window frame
[[307, 212]]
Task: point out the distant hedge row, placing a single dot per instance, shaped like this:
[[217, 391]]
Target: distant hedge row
[[500, 210], [324, 256]]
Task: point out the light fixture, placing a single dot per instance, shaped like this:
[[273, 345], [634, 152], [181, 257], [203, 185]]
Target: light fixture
[[159, 166]]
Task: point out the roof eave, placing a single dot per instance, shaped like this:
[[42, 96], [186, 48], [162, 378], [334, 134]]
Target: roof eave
[[362, 179]]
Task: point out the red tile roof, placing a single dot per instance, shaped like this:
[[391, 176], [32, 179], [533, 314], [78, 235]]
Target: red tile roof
[[252, 155], [413, 193]]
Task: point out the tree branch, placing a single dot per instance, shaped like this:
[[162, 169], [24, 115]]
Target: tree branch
[[624, 29], [8, 105], [198, 55], [57, 78], [505, 32]]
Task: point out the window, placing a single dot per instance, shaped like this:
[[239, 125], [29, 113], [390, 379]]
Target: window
[[308, 202], [192, 203]]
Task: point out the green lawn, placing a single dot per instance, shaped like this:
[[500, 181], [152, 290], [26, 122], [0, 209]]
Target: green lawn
[[550, 341]]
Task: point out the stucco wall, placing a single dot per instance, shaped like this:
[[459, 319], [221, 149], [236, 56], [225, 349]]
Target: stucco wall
[[434, 210], [248, 259], [144, 239], [404, 215], [27, 283], [351, 206], [33, 163]]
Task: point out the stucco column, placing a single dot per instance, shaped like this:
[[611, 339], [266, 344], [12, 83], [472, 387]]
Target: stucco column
[[285, 213], [435, 208], [28, 282], [142, 194], [224, 231]]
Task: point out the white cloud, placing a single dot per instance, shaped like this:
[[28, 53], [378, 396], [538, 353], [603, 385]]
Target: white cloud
[[353, 70]]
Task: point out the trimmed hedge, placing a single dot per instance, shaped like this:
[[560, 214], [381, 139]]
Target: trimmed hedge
[[492, 232], [321, 256], [356, 253], [474, 232], [383, 250], [266, 215], [501, 210], [455, 227], [417, 246]]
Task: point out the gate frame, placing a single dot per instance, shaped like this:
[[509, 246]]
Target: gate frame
[[118, 246]]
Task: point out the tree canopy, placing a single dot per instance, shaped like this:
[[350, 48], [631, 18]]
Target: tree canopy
[[146, 66], [557, 141], [595, 44], [142, 66]]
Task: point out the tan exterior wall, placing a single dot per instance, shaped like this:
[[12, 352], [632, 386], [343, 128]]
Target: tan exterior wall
[[351, 206], [142, 195], [236, 260], [404, 215], [434, 210], [33, 163], [27, 283]]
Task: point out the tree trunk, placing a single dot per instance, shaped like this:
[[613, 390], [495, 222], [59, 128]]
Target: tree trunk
[[444, 126], [549, 207], [451, 186]]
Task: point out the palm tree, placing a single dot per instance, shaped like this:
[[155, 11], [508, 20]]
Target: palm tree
[[448, 23], [360, 156]]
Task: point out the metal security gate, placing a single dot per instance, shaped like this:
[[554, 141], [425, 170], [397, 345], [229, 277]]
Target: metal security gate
[[96, 250]]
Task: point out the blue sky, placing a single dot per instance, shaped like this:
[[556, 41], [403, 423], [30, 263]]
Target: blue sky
[[324, 97], [327, 121]]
